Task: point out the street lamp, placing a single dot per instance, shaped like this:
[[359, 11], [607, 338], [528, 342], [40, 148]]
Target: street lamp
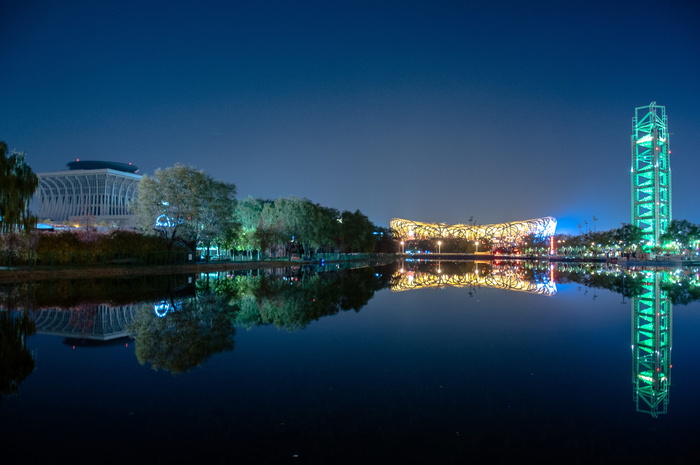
[[439, 244], [402, 249], [476, 244]]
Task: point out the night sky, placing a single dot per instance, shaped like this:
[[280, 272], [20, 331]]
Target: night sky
[[432, 111]]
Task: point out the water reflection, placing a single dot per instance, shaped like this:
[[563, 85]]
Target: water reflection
[[85, 322], [179, 322], [511, 276], [178, 335], [16, 360], [196, 328], [652, 321], [651, 294]]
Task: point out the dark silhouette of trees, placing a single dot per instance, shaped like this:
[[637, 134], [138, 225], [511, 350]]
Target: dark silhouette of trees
[[16, 361], [18, 183], [356, 232]]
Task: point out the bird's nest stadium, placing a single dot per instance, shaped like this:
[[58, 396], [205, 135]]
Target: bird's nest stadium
[[499, 235]]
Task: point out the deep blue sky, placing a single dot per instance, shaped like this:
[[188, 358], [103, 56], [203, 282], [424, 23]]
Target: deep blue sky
[[432, 111]]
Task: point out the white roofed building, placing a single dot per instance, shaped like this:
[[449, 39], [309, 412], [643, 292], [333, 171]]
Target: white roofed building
[[89, 192]]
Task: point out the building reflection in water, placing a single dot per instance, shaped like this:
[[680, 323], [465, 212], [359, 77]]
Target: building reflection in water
[[648, 292], [228, 301], [651, 345], [501, 275], [88, 321]]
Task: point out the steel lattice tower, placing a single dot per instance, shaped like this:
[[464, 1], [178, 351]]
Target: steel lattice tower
[[651, 172]]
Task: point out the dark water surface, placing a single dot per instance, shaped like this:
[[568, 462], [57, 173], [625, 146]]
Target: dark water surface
[[341, 368]]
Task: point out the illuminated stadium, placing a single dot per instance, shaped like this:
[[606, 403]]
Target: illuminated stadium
[[498, 235]]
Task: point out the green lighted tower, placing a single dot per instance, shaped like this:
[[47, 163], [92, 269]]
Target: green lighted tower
[[651, 172]]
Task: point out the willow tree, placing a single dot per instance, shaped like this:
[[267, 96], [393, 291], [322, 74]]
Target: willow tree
[[18, 184], [186, 205]]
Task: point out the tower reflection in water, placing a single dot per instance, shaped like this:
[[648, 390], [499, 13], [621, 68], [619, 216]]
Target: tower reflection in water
[[652, 294], [651, 345], [649, 291]]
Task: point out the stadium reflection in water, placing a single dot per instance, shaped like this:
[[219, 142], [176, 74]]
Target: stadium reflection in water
[[648, 290], [508, 276], [437, 352]]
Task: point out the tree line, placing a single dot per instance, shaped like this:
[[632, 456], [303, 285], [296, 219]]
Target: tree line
[[679, 236], [292, 226], [625, 238], [187, 208]]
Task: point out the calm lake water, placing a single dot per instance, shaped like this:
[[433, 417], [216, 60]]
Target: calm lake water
[[408, 363]]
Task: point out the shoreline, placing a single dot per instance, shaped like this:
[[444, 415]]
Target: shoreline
[[23, 274], [32, 274], [667, 261]]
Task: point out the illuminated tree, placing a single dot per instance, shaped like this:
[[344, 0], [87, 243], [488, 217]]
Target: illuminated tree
[[628, 235], [186, 205], [681, 232], [18, 183], [293, 225], [258, 224]]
